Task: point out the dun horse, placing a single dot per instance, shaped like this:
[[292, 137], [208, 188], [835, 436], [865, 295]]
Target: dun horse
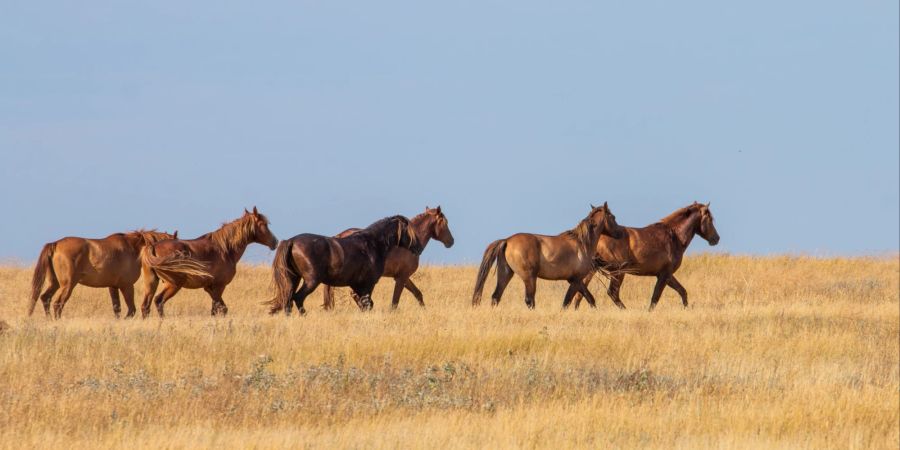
[[655, 250], [567, 256], [112, 262], [402, 263], [356, 261], [208, 262]]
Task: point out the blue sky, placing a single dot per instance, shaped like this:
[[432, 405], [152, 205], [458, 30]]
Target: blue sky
[[514, 116]]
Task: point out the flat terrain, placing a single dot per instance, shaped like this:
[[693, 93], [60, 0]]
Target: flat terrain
[[784, 352]]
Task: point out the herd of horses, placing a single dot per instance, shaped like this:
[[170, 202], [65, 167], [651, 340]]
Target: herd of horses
[[358, 258]]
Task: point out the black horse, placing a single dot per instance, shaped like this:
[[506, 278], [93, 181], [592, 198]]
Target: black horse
[[356, 261]]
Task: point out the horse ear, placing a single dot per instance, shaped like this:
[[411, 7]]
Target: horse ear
[[592, 206], [438, 209], [707, 205], [245, 211], [255, 212], [605, 206], [175, 235]]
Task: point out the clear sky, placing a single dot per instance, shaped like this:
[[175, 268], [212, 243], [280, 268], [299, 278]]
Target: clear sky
[[514, 116]]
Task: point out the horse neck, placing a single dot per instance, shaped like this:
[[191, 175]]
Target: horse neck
[[233, 249], [685, 229], [423, 226]]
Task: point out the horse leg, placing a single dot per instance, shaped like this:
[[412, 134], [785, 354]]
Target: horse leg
[[218, 305], [569, 294], [587, 282], [128, 293], [151, 282], [586, 293], [530, 289], [504, 275], [116, 303], [415, 292], [357, 300], [399, 283], [62, 296], [47, 296], [674, 284], [657, 290], [66, 280], [613, 291], [365, 296], [300, 296], [169, 291]]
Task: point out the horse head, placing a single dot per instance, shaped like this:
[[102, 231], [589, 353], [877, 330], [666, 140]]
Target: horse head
[[261, 233], [605, 221]]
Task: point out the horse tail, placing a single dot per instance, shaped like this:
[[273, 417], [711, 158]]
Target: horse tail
[[328, 297], [43, 266], [283, 276], [178, 262], [491, 254]]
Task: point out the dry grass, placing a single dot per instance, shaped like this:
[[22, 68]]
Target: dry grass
[[776, 352]]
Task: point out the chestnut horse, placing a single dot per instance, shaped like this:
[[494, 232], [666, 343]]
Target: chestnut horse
[[402, 263], [567, 256], [655, 250], [112, 262], [208, 262], [356, 261]]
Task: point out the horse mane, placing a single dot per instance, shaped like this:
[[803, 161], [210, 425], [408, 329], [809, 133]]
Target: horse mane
[[581, 233], [676, 216], [381, 229], [235, 234]]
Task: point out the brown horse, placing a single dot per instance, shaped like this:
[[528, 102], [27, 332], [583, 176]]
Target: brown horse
[[112, 262], [655, 250], [208, 262], [356, 261], [402, 263], [567, 256]]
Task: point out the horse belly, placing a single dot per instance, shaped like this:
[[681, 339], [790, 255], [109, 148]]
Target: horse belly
[[110, 273]]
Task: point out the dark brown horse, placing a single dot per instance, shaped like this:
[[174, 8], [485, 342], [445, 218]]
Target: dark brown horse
[[356, 261], [655, 250], [208, 262], [112, 262], [567, 256], [402, 263]]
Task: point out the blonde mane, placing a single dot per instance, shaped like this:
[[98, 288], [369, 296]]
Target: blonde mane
[[235, 234]]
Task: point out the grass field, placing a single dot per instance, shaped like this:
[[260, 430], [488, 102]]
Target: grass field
[[784, 352]]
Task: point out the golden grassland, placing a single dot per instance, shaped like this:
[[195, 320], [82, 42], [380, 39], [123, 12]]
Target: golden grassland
[[783, 352]]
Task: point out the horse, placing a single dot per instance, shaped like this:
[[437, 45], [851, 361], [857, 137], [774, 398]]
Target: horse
[[402, 263], [208, 262], [655, 250], [566, 256], [112, 262], [356, 261]]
